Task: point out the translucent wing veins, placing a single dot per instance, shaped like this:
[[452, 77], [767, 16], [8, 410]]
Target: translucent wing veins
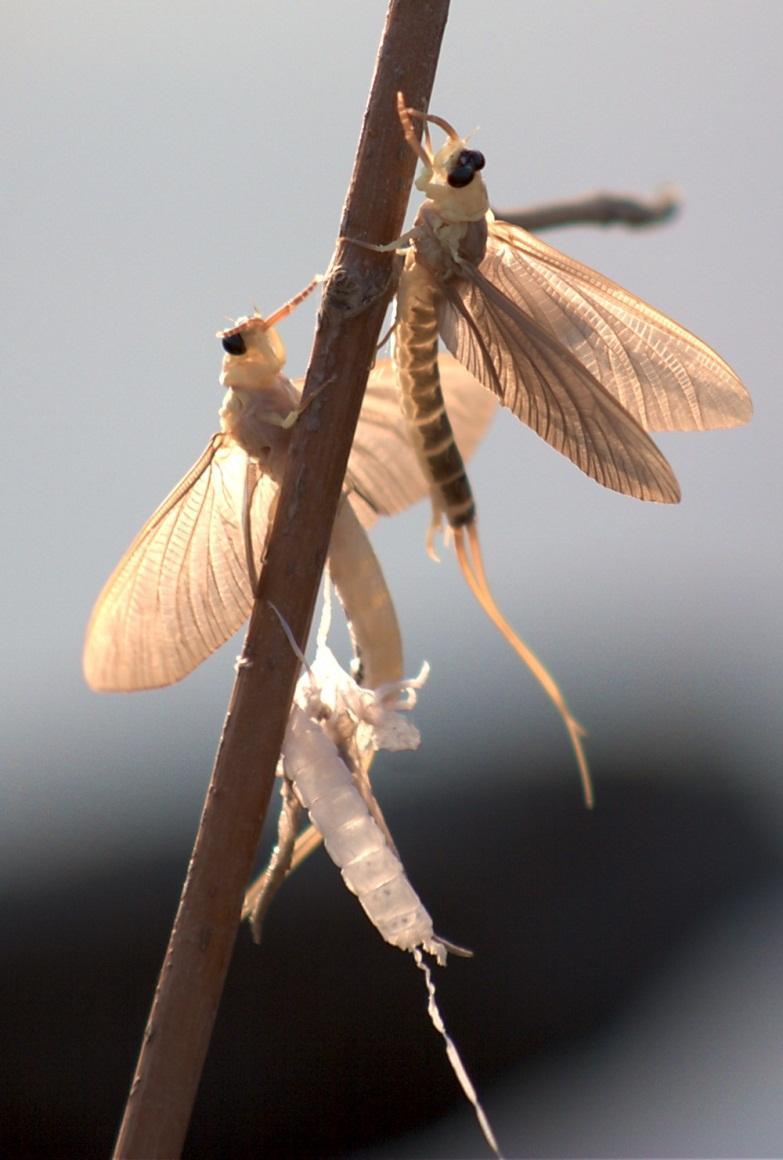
[[546, 386], [182, 588], [666, 377]]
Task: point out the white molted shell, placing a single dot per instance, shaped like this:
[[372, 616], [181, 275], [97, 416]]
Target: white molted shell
[[323, 782]]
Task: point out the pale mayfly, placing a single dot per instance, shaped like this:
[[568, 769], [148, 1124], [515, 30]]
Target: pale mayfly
[[590, 367], [186, 583]]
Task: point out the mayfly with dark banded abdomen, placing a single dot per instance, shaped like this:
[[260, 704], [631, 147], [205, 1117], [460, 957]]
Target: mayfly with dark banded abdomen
[[588, 366]]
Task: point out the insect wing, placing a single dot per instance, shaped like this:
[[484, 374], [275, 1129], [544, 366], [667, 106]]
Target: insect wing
[[663, 375], [484, 323], [384, 474], [182, 588]]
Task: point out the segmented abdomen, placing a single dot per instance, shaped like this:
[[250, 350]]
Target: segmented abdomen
[[354, 842], [421, 398]]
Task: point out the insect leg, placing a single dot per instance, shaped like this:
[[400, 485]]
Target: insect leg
[[306, 842], [260, 895], [251, 482], [400, 244]]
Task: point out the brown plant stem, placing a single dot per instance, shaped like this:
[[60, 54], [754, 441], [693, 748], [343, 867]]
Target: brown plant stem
[[355, 299], [602, 209]]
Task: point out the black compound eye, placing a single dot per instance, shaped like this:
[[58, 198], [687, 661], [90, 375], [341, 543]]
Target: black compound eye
[[468, 162], [234, 344], [461, 176]]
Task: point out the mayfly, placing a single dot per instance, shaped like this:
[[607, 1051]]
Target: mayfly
[[590, 367], [186, 583]]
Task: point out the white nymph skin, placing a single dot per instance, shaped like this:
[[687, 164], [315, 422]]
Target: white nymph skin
[[334, 725]]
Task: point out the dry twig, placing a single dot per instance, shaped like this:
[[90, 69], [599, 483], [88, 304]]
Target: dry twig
[[357, 291], [602, 209]]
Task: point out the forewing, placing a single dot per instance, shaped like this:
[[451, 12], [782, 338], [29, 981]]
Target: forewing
[[182, 588], [668, 379], [384, 474], [546, 386]]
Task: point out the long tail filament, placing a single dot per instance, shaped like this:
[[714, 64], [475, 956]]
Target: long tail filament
[[472, 566]]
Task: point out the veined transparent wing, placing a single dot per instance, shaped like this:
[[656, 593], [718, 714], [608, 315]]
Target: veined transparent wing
[[484, 324], [384, 474], [663, 375], [182, 588]]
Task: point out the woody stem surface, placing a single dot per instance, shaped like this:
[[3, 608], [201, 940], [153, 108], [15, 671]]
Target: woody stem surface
[[356, 295]]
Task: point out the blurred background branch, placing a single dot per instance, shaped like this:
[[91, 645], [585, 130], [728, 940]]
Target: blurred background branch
[[600, 209]]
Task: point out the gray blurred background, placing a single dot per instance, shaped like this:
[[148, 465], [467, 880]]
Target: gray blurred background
[[167, 166]]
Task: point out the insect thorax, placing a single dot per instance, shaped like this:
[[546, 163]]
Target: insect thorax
[[442, 245], [253, 420]]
